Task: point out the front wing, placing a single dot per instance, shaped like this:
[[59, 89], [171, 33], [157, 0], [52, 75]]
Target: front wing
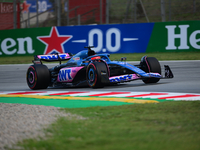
[[131, 77]]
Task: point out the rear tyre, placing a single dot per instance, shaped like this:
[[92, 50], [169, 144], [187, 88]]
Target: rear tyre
[[97, 74], [38, 77], [151, 64]]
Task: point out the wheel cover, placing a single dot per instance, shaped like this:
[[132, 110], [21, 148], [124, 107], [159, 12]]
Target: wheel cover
[[91, 75], [31, 77]]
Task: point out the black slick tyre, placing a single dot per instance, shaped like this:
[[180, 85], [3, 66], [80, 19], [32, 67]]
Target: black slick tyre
[[97, 74], [38, 77], [151, 65]]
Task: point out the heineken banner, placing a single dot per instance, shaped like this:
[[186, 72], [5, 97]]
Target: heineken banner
[[175, 36], [115, 38]]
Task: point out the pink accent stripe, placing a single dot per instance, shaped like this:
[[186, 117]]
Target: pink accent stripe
[[24, 93], [150, 94], [179, 96], [67, 93], [111, 93]]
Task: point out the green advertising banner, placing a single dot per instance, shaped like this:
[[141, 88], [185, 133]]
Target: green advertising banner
[[22, 41], [175, 36]]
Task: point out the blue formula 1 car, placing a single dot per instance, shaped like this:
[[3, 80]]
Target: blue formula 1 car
[[89, 68]]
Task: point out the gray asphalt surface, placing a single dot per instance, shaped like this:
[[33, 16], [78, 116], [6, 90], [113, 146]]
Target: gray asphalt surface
[[186, 80]]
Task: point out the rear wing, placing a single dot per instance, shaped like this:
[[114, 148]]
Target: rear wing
[[51, 57]]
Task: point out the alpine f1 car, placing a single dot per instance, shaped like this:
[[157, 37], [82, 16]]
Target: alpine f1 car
[[94, 70]]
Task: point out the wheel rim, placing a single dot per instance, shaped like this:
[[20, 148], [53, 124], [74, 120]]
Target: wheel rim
[[91, 75], [31, 77]]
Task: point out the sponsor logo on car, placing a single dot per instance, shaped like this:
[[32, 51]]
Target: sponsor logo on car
[[123, 78], [53, 57], [76, 58], [65, 75]]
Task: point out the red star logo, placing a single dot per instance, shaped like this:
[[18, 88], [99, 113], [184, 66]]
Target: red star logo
[[54, 42], [26, 6]]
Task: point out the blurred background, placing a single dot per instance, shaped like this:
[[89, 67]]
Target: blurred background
[[45, 13]]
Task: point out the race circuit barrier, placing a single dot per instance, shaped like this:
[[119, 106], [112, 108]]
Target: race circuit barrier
[[113, 38]]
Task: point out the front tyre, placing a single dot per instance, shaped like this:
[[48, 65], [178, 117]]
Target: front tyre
[[38, 77], [97, 74], [150, 64]]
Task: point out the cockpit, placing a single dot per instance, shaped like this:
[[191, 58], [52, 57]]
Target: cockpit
[[79, 56]]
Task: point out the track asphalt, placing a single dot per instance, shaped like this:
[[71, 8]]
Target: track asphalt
[[184, 86]]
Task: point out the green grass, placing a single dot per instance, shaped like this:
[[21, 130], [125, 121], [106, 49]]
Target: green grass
[[130, 57], [159, 56], [16, 59], [167, 125]]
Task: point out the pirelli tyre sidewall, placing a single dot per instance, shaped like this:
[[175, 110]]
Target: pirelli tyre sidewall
[[97, 74], [38, 77]]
